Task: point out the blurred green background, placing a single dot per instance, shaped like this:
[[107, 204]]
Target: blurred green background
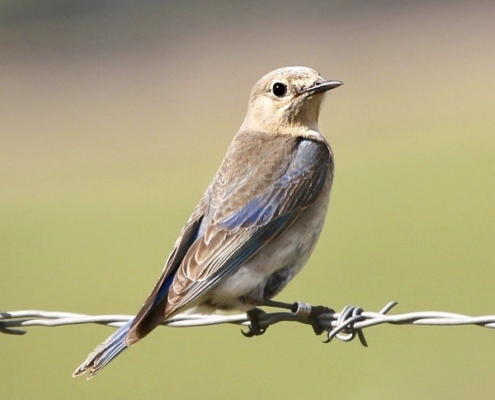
[[116, 114]]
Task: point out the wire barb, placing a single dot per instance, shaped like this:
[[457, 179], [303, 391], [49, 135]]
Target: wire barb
[[345, 329]]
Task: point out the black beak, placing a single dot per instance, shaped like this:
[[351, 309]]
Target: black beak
[[322, 86]]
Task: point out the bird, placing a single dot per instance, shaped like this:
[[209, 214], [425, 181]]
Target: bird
[[258, 221]]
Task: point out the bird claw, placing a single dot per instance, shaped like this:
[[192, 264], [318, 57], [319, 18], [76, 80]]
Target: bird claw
[[254, 328], [313, 318]]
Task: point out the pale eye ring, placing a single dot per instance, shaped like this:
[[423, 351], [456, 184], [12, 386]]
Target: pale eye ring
[[279, 89]]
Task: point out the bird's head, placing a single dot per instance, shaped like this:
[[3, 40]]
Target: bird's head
[[287, 101]]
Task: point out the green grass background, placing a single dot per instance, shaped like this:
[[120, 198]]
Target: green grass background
[[114, 118]]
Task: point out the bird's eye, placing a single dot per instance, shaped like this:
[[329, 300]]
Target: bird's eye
[[279, 89]]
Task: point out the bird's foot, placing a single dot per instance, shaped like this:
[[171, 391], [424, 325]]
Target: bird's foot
[[313, 317], [254, 327]]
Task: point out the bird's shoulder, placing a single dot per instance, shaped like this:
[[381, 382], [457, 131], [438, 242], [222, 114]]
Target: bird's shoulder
[[256, 163]]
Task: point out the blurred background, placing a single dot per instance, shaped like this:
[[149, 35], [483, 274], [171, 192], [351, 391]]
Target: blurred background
[[114, 117]]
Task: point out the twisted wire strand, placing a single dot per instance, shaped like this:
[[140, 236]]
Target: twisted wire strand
[[345, 325]]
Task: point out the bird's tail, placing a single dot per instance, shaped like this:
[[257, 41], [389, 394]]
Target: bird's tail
[[105, 352]]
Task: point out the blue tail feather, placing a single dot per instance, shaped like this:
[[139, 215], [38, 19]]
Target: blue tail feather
[[105, 352], [116, 343]]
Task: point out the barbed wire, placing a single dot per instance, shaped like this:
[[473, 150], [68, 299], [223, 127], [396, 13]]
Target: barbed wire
[[345, 325]]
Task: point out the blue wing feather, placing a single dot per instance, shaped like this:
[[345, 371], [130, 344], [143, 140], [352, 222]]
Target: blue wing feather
[[263, 208], [261, 220], [254, 244]]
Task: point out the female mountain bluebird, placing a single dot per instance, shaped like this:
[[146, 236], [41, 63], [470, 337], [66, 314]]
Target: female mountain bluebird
[[259, 219]]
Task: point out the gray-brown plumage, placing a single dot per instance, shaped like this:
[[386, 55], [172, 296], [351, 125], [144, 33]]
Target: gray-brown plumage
[[257, 223]]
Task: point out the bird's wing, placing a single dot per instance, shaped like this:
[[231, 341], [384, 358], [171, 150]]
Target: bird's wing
[[181, 247], [230, 238]]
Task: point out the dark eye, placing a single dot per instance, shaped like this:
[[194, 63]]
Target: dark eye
[[279, 89]]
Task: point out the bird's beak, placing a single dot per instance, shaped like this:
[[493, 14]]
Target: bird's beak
[[322, 86]]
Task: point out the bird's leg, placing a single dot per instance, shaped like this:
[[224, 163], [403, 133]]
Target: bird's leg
[[310, 313], [302, 309], [254, 314], [278, 304], [254, 328]]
